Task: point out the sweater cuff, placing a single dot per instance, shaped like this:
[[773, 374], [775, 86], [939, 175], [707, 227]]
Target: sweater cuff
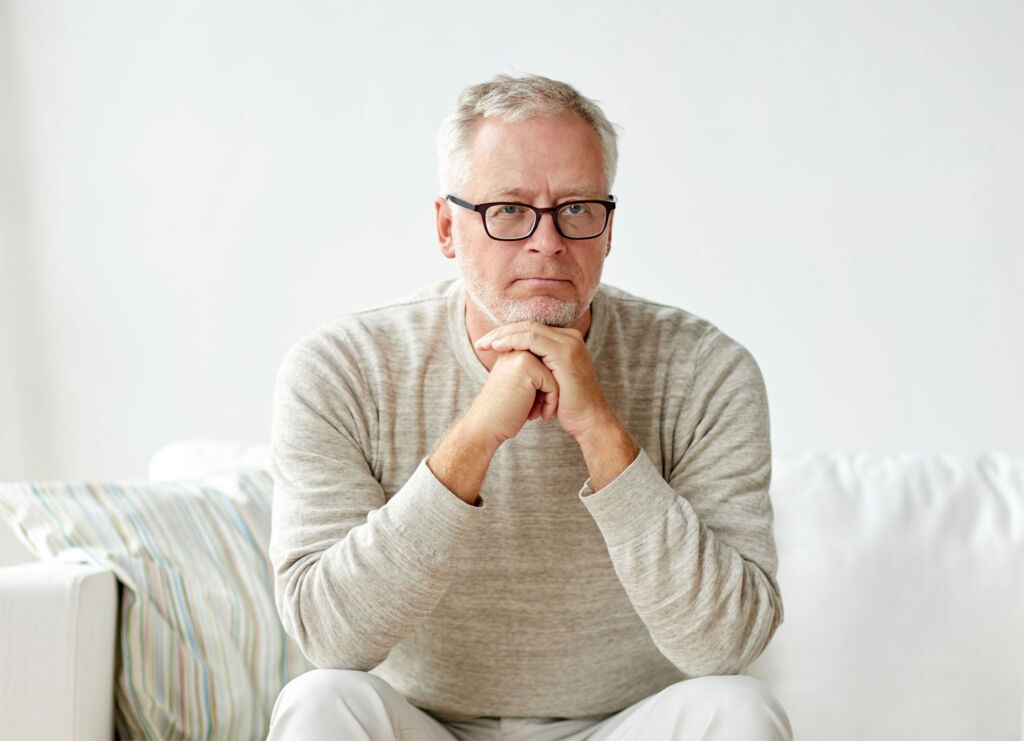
[[635, 501], [428, 517]]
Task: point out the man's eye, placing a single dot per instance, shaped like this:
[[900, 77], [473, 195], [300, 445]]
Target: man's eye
[[506, 212], [575, 209]]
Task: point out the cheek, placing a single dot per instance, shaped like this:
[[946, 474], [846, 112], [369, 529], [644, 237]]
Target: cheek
[[595, 264], [476, 264]]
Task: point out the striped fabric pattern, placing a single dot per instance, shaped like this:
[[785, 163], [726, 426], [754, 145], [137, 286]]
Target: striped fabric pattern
[[203, 653]]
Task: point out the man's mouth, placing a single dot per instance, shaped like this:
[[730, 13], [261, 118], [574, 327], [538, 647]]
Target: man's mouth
[[541, 282]]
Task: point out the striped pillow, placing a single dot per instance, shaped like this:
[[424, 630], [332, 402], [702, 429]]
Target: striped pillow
[[203, 651]]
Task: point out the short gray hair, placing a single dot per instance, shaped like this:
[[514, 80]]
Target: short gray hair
[[515, 99]]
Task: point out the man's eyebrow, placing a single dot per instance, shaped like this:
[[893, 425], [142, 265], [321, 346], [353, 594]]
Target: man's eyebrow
[[574, 193], [516, 193]]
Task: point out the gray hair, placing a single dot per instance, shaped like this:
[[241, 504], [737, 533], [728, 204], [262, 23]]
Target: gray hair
[[515, 99]]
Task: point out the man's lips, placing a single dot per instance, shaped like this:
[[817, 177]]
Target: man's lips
[[542, 282]]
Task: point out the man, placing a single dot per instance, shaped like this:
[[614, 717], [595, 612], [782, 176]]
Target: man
[[531, 505]]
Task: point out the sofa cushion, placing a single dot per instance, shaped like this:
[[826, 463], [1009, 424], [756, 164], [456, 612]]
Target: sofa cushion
[[203, 653], [903, 583], [188, 459]]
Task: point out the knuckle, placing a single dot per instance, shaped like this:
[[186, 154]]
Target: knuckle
[[522, 359]]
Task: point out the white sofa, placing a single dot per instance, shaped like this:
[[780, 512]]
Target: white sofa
[[902, 576]]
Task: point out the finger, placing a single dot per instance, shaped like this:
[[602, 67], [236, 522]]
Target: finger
[[550, 406], [545, 406], [543, 380], [539, 343], [536, 328], [529, 369]]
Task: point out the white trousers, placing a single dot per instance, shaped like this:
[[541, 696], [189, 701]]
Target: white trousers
[[339, 704]]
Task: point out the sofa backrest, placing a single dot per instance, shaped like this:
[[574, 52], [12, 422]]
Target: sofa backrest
[[903, 583], [186, 459]]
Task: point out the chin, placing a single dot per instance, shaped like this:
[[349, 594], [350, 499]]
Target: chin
[[561, 314], [550, 311]]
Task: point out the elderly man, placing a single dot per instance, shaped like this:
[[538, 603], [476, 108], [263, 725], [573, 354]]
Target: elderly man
[[524, 504]]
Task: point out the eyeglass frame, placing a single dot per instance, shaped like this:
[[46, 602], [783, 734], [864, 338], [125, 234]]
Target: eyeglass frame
[[481, 208]]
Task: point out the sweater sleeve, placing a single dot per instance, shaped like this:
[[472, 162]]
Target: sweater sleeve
[[355, 571], [694, 549]]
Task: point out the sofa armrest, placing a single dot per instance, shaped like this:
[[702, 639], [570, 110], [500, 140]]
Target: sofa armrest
[[57, 640]]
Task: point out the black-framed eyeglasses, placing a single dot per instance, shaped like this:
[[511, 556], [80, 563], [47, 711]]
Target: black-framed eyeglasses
[[507, 221]]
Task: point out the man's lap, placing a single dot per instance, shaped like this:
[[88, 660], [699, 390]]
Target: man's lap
[[348, 704]]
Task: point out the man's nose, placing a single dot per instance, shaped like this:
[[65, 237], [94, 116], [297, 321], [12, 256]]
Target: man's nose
[[546, 239]]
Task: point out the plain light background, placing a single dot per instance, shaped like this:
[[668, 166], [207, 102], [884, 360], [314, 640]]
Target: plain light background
[[189, 187]]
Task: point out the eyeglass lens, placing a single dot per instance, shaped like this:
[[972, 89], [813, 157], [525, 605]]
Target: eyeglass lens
[[580, 220]]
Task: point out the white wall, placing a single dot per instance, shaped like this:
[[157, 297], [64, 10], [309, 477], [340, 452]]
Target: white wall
[[188, 187]]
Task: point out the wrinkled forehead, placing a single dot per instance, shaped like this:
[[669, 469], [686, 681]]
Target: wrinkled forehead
[[523, 155]]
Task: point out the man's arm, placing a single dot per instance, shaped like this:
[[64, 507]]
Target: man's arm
[[356, 573], [695, 553], [519, 388]]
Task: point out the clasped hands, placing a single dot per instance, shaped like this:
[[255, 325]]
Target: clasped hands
[[538, 372]]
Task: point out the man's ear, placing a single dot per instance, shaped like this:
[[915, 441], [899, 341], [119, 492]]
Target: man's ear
[[444, 227]]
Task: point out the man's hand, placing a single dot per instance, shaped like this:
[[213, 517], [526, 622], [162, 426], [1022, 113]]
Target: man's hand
[[581, 403], [544, 372], [581, 407], [520, 388]]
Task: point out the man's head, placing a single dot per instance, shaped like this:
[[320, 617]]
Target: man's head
[[532, 141], [515, 99]]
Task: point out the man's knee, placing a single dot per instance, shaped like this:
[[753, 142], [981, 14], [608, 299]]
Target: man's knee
[[331, 698], [729, 707], [320, 687]]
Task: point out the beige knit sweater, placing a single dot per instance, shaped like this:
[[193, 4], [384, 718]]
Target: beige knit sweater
[[549, 600]]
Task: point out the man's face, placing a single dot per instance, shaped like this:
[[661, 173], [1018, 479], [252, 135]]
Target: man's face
[[545, 278]]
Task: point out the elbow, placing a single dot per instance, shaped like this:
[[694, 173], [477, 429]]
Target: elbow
[[329, 646], [750, 637], [744, 651], [756, 610], [325, 655], [730, 638], [717, 654], [325, 635]]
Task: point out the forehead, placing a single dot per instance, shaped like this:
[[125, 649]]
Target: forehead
[[554, 155]]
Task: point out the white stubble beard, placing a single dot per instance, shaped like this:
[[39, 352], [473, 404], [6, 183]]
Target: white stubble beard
[[500, 310]]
